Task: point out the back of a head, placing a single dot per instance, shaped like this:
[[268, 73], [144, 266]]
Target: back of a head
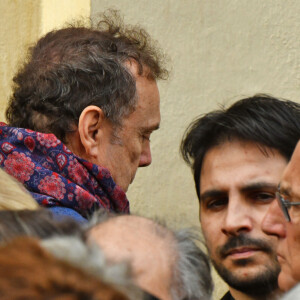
[[262, 119], [66, 241], [13, 195], [90, 258], [72, 68], [133, 239], [167, 264], [33, 273]]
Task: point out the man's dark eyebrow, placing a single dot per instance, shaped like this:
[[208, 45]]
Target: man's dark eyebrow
[[259, 186], [247, 188], [211, 194]]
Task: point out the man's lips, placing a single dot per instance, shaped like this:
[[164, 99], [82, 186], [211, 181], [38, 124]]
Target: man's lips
[[243, 246], [242, 252]]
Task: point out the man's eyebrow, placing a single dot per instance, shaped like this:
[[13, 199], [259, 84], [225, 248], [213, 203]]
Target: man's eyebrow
[[247, 188], [259, 186], [211, 194], [150, 128]]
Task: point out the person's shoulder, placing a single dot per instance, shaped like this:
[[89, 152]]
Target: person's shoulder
[[60, 212], [227, 296]]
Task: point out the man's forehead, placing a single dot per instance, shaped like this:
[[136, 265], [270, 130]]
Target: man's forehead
[[147, 111], [134, 68], [243, 155], [242, 166]]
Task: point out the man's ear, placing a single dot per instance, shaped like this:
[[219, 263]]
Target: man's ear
[[90, 122]]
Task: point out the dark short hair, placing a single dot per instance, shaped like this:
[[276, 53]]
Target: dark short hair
[[72, 68], [262, 119]]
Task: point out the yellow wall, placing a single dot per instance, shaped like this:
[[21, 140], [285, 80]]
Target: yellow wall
[[19, 27], [55, 13]]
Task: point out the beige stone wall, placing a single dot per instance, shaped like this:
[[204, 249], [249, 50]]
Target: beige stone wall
[[19, 26], [55, 13], [220, 50]]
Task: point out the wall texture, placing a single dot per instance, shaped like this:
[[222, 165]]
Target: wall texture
[[55, 13], [220, 50], [19, 25]]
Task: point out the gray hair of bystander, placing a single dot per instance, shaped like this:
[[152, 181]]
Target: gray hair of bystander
[[191, 277]]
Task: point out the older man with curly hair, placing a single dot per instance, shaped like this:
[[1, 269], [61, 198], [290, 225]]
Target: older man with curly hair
[[80, 118]]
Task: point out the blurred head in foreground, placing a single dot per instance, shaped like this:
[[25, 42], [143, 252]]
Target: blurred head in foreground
[[164, 263], [33, 273]]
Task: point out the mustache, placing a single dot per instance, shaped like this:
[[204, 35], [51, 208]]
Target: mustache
[[243, 241]]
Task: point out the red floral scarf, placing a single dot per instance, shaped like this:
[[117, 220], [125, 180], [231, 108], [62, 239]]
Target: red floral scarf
[[55, 176]]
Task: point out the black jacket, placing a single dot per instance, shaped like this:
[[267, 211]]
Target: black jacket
[[227, 296]]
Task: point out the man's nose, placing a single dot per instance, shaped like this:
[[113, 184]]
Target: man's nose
[[238, 218], [274, 222], [145, 158]]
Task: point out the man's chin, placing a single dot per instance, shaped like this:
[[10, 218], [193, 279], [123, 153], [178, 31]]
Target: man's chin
[[125, 185], [247, 278]]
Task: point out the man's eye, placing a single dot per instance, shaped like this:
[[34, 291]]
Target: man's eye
[[263, 196], [146, 137], [215, 204]]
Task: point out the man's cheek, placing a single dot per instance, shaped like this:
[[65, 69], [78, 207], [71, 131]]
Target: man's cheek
[[208, 244]]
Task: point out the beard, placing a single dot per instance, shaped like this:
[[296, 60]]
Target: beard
[[262, 283]]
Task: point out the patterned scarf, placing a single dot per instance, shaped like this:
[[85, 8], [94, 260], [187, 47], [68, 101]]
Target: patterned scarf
[[55, 176]]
